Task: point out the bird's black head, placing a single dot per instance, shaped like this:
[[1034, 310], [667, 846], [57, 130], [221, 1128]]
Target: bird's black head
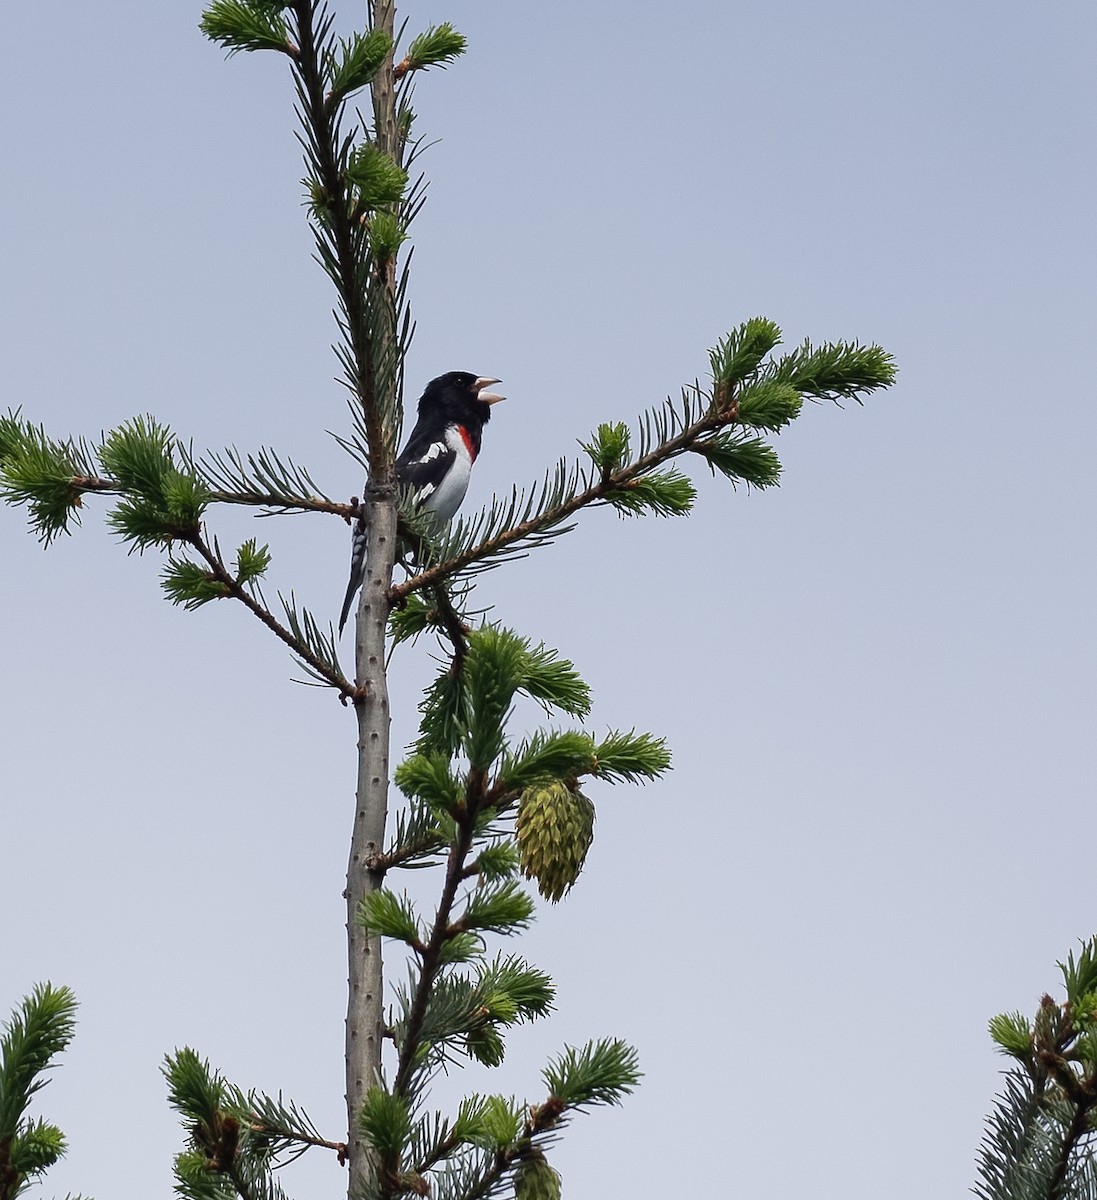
[[460, 397]]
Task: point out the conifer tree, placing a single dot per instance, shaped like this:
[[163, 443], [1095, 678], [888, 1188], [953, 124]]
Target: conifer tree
[[481, 802], [1039, 1139], [39, 1030]]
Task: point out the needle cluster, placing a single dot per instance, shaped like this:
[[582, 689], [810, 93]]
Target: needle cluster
[[39, 1030], [1039, 1140]]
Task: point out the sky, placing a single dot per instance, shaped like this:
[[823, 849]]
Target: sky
[[876, 680]]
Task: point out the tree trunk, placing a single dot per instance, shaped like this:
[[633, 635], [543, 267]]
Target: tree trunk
[[365, 1004], [366, 982]]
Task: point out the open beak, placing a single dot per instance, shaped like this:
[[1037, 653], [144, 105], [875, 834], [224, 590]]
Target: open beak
[[487, 397]]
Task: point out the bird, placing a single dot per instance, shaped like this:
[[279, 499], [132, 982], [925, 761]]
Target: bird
[[435, 464]]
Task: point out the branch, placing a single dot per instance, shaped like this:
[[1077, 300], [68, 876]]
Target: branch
[[284, 504], [608, 482], [1079, 1126], [233, 588], [747, 393], [306, 1140], [450, 622], [97, 485], [381, 864], [432, 955]]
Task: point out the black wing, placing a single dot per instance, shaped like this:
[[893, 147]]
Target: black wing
[[423, 464]]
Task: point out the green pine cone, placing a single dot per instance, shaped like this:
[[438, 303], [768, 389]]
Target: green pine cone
[[536, 1180], [555, 828]]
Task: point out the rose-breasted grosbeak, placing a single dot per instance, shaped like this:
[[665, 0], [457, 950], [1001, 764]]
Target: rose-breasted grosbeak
[[436, 463]]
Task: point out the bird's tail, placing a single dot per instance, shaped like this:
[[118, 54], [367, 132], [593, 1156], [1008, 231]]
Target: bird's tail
[[357, 567]]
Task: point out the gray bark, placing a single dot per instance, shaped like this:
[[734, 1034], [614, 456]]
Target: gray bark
[[365, 1004], [366, 981]]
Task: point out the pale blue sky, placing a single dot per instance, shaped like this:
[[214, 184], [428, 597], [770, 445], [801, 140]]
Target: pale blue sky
[[877, 681]]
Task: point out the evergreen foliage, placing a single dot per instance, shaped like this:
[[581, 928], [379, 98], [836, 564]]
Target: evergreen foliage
[[1040, 1138], [235, 1139], [357, 61], [375, 179], [33, 1036], [240, 25], [42, 474]]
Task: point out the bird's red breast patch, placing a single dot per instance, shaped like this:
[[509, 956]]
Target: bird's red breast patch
[[470, 445]]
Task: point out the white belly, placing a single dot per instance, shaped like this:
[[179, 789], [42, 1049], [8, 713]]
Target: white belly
[[446, 499]]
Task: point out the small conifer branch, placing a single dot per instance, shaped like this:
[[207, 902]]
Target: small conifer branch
[[235, 1139], [1078, 1130], [438, 46], [600, 1073], [1037, 1140], [746, 395], [41, 1028], [556, 515], [139, 463], [431, 960], [262, 479], [234, 588], [357, 63], [274, 501], [241, 26], [449, 620], [281, 1133], [429, 844], [248, 498], [439, 1152], [419, 834], [493, 911], [92, 484]]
